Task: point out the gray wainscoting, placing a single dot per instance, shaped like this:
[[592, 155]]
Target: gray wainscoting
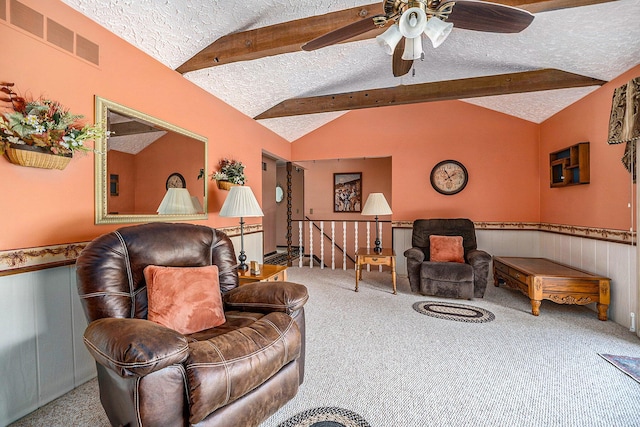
[[42, 355]]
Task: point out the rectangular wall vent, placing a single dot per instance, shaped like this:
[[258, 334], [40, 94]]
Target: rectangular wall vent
[[59, 35], [87, 49], [30, 20], [26, 18]]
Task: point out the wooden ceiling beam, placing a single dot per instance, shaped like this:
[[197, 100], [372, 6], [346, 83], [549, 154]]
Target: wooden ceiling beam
[[528, 81], [274, 39], [290, 36]]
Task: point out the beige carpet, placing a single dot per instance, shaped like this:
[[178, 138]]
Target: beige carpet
[[371, 353]]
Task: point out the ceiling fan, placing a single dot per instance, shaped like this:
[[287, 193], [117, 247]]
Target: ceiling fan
[[411, 19]]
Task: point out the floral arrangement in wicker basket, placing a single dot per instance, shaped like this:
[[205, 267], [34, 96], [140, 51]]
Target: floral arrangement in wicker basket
[[41, 133], [230, 172]]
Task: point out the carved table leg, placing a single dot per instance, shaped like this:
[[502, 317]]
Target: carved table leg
[[535, 307], [602, 311], [393, 274], [605, 298], [358, 272]]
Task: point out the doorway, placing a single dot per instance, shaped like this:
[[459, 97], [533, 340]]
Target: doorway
[[282, 203]]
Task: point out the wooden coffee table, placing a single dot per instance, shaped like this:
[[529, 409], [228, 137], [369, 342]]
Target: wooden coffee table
[[369, 256], [540, 278], [268, 273]]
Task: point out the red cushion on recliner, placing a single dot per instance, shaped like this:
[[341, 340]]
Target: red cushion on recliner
[[185, 299], [446, 248]]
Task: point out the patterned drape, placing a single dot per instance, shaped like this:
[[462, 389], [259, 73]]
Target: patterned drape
[[624, 123]]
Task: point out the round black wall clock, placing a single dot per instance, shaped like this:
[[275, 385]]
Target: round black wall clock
[[176, 180], [449, 177]]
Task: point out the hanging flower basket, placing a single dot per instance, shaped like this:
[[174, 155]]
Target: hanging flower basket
[[230, 174], [225, 185], [36, 157], [41, 133]]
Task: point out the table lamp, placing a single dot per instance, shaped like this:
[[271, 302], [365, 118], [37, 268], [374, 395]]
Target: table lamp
[[241, 203], [376, 205]]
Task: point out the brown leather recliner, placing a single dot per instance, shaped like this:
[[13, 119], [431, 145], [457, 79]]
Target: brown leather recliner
[[447, 279], [236, 374]]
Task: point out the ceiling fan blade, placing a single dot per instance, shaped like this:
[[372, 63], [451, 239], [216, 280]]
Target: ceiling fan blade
[[342, 34], [489, 17], [400, 66]]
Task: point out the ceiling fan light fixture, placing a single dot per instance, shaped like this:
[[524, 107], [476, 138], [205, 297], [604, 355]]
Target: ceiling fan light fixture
[[412, 22], [437, 31], [412, 48], [389, 39]]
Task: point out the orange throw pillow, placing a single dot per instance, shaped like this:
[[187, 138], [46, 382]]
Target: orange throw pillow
[[446, 248], [185, 299]]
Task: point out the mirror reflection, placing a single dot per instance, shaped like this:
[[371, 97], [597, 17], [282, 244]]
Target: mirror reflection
[[148, 169]]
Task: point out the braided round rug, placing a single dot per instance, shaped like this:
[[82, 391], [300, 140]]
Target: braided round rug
[[452, 311], [326, 417]]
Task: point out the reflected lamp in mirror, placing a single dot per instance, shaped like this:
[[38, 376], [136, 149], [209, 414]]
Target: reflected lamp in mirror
[[143, 151], [177, 201], [376, 205]]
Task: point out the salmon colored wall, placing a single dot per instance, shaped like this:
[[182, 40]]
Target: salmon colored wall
[[603, 202], [500, 153], [123, 165], [318, 175], [318, 196], [43, 207], [154, 169]]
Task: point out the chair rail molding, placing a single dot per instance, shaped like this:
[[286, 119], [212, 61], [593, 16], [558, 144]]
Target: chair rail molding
[[598, 233], [14, 261]]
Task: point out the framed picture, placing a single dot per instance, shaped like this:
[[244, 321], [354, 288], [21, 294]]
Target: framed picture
[[347, 192]]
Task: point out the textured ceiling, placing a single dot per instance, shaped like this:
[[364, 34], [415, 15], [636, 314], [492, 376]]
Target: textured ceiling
[[600, 41]]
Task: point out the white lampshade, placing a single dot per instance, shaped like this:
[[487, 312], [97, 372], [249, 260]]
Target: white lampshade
[[389, 39], [437, 30], [376, 205], [196, 204], [240, 203], [412, 49], [177, 201]]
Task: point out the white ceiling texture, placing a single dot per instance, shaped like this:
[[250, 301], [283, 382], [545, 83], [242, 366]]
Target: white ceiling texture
[[600, 41]]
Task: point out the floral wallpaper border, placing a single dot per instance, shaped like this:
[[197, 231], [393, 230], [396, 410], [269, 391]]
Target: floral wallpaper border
[[19, 260], [610, 235]]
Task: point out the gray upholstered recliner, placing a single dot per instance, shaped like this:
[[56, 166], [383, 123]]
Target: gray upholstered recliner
[[447, 279]]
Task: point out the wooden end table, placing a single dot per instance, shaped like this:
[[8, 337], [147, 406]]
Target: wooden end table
[[369, 256], [268, 273], [540, 278]]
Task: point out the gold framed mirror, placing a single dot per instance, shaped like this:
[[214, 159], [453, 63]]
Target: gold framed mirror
[[147, 169]]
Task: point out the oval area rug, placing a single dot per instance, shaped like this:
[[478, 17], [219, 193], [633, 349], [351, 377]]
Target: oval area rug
[[326, 417], [452, 311]]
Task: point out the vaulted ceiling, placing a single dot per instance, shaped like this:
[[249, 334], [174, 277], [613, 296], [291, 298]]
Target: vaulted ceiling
[[248, 54]]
